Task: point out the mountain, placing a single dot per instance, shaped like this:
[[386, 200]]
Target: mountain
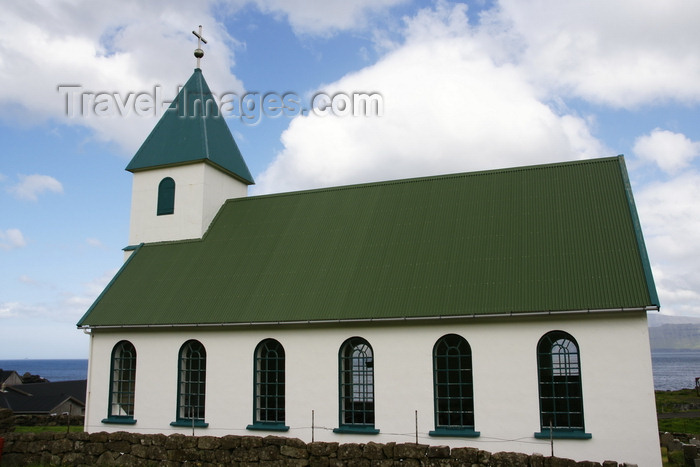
[[675, 336], [656, 319]]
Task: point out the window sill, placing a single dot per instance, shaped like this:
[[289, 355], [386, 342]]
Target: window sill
[[189, 424], [455, 432], [119, 420], [562, 434], [259, 426], [357, 430]]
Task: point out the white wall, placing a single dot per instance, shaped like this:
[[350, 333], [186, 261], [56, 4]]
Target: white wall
[[200, 190], [615, 365]]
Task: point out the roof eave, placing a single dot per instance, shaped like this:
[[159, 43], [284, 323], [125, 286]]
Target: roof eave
[[510, 314], [202, 159], [643, 255]]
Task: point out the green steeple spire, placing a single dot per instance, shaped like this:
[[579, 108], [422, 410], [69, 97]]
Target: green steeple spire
[[192, 130]]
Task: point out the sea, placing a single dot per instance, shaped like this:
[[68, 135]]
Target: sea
[[673, 369], [50, 369]]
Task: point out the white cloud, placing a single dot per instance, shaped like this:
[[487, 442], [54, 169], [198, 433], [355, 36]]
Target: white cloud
[[95, 287], [447, 108], [31, 186], [325, 16], [16, 309], [668, 212], [27, 280], [8, 310], [62, 307], [671, 151], [11, 238], [94, 242], [115, 46], [623, 53]]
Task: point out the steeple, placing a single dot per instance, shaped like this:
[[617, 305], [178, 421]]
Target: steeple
[[186, 168], [192, 130]]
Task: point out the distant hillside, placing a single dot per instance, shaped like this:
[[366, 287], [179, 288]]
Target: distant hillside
[[657, 319], [675, 336]]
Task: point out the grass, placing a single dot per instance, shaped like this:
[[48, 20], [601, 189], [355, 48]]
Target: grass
[[669, 401], [678, 402], [680, 425]]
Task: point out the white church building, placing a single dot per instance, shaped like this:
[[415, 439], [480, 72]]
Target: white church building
[[498, 309]]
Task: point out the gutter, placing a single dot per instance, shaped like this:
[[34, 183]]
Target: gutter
[[510, 314]]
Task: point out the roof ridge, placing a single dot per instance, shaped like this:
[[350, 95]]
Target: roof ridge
[[447, 176], [202, 118]]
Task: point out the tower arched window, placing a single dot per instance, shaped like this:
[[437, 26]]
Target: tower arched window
[[166, 196], [122, 384], [560, 388], [453, 383], [356, 391]]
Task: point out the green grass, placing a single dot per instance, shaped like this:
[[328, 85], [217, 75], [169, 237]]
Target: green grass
[[41, 429], [677, 402], [668, 401], [680, 425]]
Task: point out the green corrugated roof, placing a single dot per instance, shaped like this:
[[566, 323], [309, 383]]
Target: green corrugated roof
[[192, 130], [544, 238]]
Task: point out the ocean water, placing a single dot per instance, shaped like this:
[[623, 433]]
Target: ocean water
[[53, 370], [673, 369]]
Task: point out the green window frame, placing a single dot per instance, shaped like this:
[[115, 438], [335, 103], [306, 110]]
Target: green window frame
[[122, 384], [269, 387], [560, 387], [356, 387], [191, 385], [166, 197], [453, 384]]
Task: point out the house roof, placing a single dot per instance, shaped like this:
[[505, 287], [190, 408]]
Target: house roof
[[557, 237], [7, 374], [43, 397], [193, 129]]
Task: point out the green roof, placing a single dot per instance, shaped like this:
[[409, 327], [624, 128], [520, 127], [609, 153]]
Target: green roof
[[192, 130], [558, 237]]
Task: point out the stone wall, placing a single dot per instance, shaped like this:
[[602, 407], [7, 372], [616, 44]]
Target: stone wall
[[686, 446], [49, 420], [7, 420], [83, 449]]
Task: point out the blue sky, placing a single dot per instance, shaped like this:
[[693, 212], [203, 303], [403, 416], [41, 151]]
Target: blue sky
[[464, 86]]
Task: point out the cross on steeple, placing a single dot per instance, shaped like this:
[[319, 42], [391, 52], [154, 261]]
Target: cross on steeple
[[199, 53]]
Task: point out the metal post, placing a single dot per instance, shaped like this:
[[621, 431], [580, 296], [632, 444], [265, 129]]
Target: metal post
[[416, 427], [551, 436], [70, 411], [312, 426]]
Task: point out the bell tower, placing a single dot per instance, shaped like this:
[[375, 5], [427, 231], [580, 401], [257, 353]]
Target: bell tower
[[186, 169]]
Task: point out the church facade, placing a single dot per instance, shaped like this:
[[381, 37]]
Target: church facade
[[504, 309]]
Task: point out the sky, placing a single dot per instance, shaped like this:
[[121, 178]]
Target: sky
[[458, 87]]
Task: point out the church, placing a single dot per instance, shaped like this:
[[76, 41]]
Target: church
[[502, 309]]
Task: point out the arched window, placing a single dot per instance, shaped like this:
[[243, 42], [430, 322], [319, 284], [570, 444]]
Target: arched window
[[561, 394], [122, 384], [166, 196], [356, 392], [268, 404], [454, 387], [191, 384]]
